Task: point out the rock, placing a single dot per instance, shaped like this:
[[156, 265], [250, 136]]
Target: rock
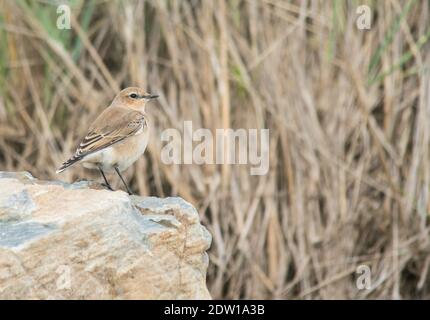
[[71, 241]]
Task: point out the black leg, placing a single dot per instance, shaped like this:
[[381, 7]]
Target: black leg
[[106, 182], [122, 179]]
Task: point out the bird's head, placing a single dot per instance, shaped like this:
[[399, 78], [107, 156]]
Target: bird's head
[[133, 97]]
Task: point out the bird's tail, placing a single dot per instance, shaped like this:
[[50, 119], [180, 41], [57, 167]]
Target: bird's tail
[[68, 163]]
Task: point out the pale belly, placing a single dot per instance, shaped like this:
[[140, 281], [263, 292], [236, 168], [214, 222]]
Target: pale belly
[[122, 154]]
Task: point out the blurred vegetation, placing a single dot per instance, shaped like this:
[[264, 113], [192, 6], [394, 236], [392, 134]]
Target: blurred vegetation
[[348, 112]]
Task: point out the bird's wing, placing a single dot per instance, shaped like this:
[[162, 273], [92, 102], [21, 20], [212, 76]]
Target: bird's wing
[[112, 126]]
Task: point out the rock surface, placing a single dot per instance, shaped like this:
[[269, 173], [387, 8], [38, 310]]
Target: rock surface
[[69, 241]]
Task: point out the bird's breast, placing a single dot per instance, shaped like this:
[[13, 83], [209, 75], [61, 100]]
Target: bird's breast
[[126, 153]]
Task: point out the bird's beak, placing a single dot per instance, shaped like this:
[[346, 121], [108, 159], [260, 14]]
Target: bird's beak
[[151, 96]]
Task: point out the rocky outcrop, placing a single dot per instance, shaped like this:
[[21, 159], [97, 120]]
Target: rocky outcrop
[[71, 241]]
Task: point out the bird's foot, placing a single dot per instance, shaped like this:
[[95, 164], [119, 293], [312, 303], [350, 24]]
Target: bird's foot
[[106, 186]]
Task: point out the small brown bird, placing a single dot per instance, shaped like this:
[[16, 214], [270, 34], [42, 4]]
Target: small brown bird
[[118, 137]]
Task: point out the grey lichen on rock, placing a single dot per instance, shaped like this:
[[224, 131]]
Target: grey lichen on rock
[[71, 241]]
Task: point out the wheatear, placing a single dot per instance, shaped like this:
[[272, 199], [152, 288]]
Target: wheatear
[[118, 137]]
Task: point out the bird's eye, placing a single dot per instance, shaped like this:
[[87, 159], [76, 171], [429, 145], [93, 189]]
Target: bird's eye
[[133, 96]]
